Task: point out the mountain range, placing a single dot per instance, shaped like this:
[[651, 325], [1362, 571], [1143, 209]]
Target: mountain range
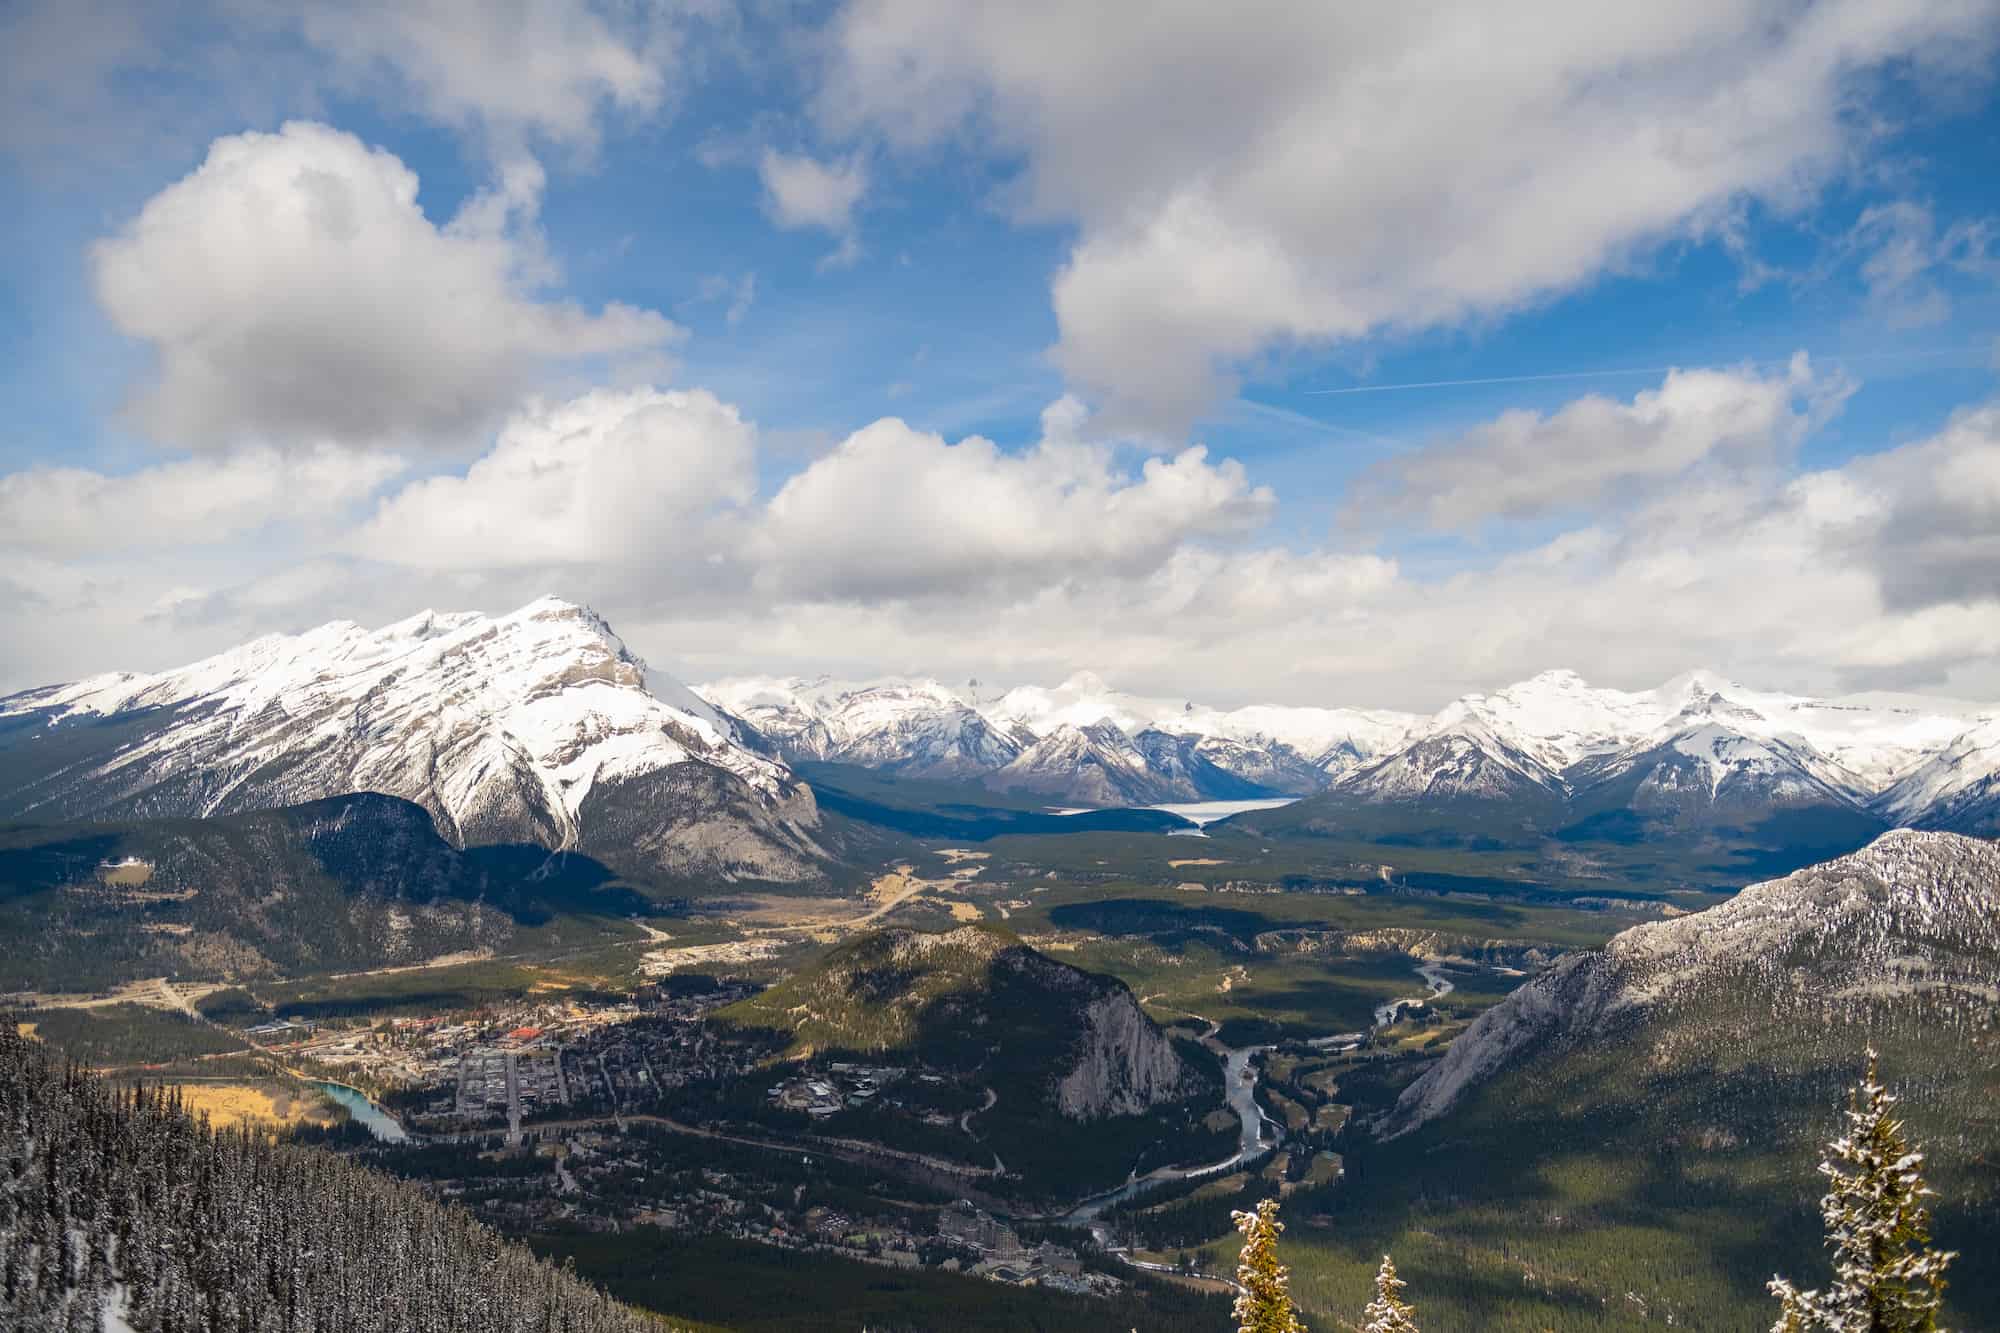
[[1080, 743], [1698, 746], [540, 727]]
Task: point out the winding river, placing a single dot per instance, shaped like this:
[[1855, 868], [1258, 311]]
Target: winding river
[[1240, 1086]]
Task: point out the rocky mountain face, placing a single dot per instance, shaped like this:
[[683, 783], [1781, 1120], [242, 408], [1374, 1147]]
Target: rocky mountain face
[[537, 727], [978, 1001], [1903, 934], [1668, 1098]]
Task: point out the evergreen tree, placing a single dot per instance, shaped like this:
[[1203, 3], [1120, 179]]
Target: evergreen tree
[[1264, 1298], [116, 1202], [1389, 1312], [1887, 1278]]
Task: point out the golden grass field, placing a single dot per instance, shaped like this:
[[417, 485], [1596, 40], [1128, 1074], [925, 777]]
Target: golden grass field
[[266, 1103]]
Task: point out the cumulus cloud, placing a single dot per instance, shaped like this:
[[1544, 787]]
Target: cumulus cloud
[[294, 293], [1929, 514], [801, 191], [899, 550], [629, 477], [1526, 464], [197, 501], [897, 512], [1248, 179]]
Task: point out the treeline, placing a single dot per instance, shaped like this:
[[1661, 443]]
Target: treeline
[[114, 1202]]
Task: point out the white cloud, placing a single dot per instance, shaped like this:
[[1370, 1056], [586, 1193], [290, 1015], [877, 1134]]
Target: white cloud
[[548, 68], [1248, 179], [901, 551], [801, 191], [85, 84], [197, 501], [896, 512], [627, 478], [1526, 464], [1930, 514], [294, 292], [1904, 256]]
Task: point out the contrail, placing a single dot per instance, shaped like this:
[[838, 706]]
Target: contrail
[[1506, 379], [1901, 354]]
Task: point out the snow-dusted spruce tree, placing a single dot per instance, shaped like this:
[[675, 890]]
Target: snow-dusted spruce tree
[[1264, 1301], [1886, 1276], [1389, 1312]]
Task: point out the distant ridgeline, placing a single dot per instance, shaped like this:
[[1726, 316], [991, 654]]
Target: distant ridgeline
[[116, 1206]]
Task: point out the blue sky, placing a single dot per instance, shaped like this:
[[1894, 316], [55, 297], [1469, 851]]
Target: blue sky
[[670, 268]]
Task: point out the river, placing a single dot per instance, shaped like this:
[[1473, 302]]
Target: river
[[1440, 985], [1240, 1086], [1239, 1074], [366, 1113]]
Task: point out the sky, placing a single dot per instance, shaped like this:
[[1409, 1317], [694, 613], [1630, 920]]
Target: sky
[[1309, 354]]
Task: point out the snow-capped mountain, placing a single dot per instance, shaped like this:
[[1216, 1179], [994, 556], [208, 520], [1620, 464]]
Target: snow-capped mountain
[[1860, 744], [1957, 788], [1163, 750], [1462, 756], [1698, 745], [917, 728], [535, 727], [1699, 741], [1907, 928]]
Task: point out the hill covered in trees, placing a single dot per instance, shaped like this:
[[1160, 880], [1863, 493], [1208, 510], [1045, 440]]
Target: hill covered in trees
[[348, 882], [1632, 1135], [117, 1209]]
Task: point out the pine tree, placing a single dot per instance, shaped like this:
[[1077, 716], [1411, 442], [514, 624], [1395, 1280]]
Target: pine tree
[[1389, 1312], [1887, 1278], [1264, 1298]]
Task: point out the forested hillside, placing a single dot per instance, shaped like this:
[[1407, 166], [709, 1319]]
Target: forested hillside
[[119, 1210], [349, 882]]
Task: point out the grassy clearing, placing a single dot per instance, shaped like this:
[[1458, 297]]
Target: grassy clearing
[[274, 1103]]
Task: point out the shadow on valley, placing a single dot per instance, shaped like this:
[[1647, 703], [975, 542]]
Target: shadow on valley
[[345, 883]]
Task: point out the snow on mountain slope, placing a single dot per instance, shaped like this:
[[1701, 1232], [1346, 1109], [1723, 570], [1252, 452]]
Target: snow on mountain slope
[[1098, 764], [1553, 732], [1911, 915], [1462, 758], [1085, 699], [1554, 718], [1874, 738], [920, 727], [1716, 755], [916, 727], [527, 727], [1860, 744], [1958, 788]]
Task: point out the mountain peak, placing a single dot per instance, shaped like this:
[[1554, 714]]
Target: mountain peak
[[510, 728]]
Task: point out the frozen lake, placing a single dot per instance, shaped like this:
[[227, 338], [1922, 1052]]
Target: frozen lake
[[1202, 813]]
